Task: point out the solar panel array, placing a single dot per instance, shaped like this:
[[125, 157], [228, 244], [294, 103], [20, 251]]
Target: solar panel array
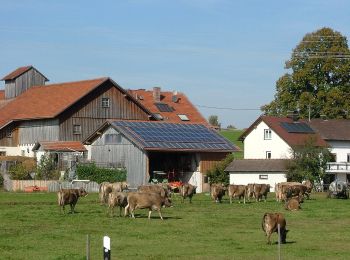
[[164, 107], [173, 136], [297, 128]]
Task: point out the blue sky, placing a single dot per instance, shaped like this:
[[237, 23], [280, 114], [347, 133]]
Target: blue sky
[[220, 53]]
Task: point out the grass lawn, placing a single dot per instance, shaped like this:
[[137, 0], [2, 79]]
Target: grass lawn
[[233, 135], [33, 228]]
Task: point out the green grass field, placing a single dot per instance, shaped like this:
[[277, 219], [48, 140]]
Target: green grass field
[[233, 135], [33, 228]]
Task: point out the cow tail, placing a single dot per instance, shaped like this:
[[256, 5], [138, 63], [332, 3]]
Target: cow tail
[[263, 222], [60, 198]]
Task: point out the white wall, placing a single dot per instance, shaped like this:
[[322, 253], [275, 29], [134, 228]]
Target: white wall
[[255, 147], [246, 178], [341, 149], [11, 151], [195, 178]]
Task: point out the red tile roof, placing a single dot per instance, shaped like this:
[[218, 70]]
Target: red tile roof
[[46, 101], [60, 146], [332, 129], [17, 72], [292, 139], [182, 106]]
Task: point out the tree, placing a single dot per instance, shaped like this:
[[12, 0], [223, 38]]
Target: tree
[[309, 162], [218, 174], [214, 120], [319, 78], [231, 127], [47, 168]]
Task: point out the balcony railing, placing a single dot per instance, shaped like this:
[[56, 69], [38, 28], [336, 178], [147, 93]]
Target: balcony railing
[[334, 167]]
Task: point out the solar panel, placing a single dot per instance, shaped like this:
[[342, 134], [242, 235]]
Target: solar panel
[[174, 136], [164, 107], [297, 128]]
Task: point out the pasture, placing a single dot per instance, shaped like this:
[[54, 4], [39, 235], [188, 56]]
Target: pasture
[[33, 228]]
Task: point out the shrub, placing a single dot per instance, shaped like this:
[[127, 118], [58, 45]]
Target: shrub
[[1, 180], [218, 174], [19, 172], [93, 173], [47, 169]]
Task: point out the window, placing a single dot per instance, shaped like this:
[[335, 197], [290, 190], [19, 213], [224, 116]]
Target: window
[[8, 133], [348, 157], [268, 155], [77, 129], [267, 134], [113, 138], [263, 177], [2, 153], [105, 102], [183, 117], [23, 152]]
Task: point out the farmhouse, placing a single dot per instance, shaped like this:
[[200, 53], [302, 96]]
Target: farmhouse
[[268, 140], [31, 111], [154, 151]]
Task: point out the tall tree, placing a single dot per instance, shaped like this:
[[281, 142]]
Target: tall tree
[[318, 81], [214, 120]]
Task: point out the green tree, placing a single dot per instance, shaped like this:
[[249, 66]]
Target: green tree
[[47, 169], [214, 120], [309, 162], [318, 81], [218, 174]]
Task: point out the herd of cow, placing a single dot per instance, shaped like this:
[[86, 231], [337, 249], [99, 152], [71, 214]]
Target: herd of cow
[[154, 197]]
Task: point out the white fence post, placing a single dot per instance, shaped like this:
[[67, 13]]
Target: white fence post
[[106, 248], [279, 241]]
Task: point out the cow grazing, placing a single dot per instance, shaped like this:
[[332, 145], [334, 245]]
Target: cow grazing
[[292, 191], [293, 204], [187, 190], [217, 191], [116, 199], [70, 196], [250, 191], [261, 190], [270, 223], [146, 200], [237, 191], [107, 187], [163, 191], [280, 190]]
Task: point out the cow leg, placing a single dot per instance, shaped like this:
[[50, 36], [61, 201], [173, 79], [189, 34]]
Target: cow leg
[[160, 214], [149, 213], [126, 210], [230, 199], [269, 238]]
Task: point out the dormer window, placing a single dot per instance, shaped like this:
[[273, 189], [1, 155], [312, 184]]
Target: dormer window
[[105, 102], [183, 117], [158, 116], [8, 133], [267, 134]]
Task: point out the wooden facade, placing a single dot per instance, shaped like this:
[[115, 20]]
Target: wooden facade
[[123, 155], [90, 114], [18, 85]]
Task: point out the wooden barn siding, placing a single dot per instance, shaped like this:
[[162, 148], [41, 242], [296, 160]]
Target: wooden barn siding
[[17, 86], [126, 153], [9, 141], [91, 115], [209, 160], [38, 130]]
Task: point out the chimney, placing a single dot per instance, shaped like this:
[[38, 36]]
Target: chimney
[[293, 115], [175, 98], [156, 94]]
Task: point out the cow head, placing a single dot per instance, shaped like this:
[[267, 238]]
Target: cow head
[[167, 202], [124, 185], [82, 192]]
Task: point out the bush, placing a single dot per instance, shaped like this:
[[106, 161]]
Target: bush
[[1, 180], [93, 173], [47, 169], [218, 174], [19, 172]]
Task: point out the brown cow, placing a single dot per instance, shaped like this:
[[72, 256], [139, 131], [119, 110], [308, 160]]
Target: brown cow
[[70, 196], [280, 190], [291, 191], [156, 188], [309, 187], [237, 191], [150, 201], [107, 187], [217, 191], [187, 190], [116, 199], [270, 223], [293, 204], [261, 190], [250, 191]]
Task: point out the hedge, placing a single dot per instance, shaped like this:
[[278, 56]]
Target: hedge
[[93, 173]]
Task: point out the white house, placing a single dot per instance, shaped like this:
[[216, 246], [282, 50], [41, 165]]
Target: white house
[[267, 141]]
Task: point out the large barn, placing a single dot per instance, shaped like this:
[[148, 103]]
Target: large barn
[[158, 150]]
